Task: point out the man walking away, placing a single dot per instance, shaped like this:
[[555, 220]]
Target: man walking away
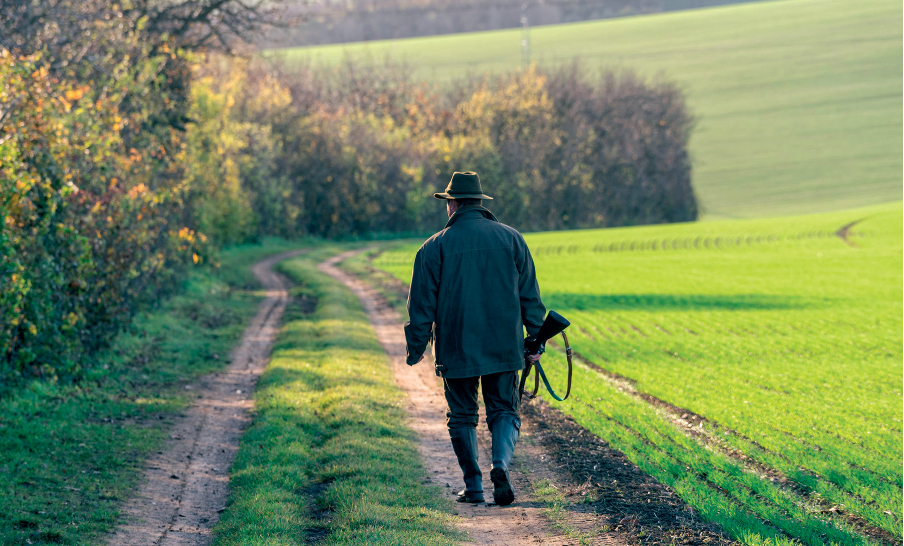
[[473, 291]]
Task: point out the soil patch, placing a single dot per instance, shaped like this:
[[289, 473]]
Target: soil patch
[[608, 488], [306, 304], [185, 485], [320, 515]]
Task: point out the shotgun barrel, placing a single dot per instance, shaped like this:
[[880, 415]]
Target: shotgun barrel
[[552, 326]]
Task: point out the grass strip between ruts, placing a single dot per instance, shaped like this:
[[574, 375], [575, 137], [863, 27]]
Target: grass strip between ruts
[[70, 454], [329, 456]]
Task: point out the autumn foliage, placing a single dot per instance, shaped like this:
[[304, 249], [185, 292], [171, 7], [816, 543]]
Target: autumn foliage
[[92, 207], [110, 188], [359, 150]]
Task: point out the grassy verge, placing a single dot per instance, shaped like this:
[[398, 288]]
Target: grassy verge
[[70, 454], [394, 290], [329, 457]]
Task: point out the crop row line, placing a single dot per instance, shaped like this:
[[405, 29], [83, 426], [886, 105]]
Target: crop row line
[[699, 242], [720, 242], [799, 484], [713, 501], [859, 474], [777, 505], [745, 502], [654, 458], [854, 456], [864, 491]]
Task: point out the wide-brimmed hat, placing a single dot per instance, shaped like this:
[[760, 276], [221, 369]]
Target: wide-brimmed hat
[[463, 186]]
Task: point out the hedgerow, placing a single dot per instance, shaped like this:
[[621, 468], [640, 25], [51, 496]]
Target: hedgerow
[[360, 149], [121, 168], [90, 223], [98, 213]]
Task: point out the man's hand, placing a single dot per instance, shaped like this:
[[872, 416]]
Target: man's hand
[[418, 360], [534, 358]]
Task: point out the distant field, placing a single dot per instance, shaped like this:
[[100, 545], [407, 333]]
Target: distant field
[[753, 365], [798, 102]]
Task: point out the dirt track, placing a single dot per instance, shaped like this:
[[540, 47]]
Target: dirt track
[[185, 485], [520, 523]]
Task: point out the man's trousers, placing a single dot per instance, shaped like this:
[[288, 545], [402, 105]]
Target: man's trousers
[[501, 400], [500, 397]]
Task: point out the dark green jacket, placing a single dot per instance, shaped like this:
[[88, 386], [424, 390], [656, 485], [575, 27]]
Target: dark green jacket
[[475, 281]]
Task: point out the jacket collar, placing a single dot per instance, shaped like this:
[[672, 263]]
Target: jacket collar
[[471, 210]]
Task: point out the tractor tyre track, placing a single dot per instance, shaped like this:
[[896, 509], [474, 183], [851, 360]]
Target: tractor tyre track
[[692, 424], [185, 486]]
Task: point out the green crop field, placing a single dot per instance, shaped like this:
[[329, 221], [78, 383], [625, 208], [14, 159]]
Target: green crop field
[[798, 102], [753, 365]]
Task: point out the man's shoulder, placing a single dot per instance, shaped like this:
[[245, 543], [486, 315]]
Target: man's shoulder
[[506, 231], [468, 233], [482, 229], [431, 245], [433, 240], [514, 232]]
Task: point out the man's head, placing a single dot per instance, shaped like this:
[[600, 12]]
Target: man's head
[[452, 205], [464, 189]]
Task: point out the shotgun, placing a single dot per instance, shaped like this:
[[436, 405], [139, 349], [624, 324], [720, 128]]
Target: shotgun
[[554, 325]]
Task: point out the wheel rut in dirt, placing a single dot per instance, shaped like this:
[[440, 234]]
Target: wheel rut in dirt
[[185, 485], [520, 523]]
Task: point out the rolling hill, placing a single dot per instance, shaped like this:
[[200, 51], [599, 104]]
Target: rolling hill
[[798, 102]]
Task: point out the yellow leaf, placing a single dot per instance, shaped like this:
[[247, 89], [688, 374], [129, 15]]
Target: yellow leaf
[[137, 190], [74, 94]]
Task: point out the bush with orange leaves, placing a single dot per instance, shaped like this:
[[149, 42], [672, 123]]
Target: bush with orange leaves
[[90, 223]]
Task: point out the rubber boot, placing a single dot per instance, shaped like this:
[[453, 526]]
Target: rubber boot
[[464, 443], [505, 436]]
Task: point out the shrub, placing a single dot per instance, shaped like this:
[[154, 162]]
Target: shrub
[[90, 226], [361, 149]]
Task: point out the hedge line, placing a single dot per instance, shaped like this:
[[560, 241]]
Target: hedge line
[[360, 149], [113, 183]]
